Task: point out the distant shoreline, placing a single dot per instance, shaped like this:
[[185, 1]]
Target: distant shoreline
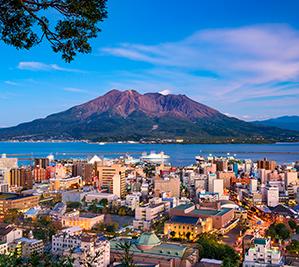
[[149, 143]]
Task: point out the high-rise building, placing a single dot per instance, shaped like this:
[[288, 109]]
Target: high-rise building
[[41, 162], [84, 169], [169, 185], [272, 196], [253, 186], [21, 177], [266, 164], [113, 179], [39, 174]]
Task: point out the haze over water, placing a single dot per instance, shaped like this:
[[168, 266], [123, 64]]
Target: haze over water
[[180, 155]]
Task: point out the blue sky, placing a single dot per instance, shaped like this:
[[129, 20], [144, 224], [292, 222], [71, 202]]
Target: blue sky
[[240, 57]]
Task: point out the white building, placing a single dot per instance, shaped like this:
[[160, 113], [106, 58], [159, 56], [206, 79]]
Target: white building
[[132, 200], [217, 186], [145, 215], [272, 196], [262, 255], [97, 196], [253, 186], [81, 247], [211, 178]]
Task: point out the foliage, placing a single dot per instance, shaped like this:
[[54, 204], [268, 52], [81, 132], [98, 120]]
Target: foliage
[[209, 247], [73, 205], [13, 216], [278, 231], [126, 255], [106, 227], [104, 202], [122, 211], [293, 247], [35, 260], [292, 224], [45, 228], [26, 23]]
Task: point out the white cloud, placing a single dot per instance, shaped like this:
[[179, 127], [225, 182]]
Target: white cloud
[[221, 67], [40, 66], [11, 83], [74, 90], [165, 92]]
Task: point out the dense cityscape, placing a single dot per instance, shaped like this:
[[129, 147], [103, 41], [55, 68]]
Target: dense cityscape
[[149, 133], [219, 211]]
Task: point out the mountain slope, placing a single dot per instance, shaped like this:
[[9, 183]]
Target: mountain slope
[[129, 115], [284, 122]]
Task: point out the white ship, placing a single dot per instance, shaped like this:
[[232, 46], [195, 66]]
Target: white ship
[[155, 157]]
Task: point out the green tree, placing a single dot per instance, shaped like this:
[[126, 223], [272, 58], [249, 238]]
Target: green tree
[[13, 216], [122, 211], [292, 224], [126, 255], [210, 247], [73, 205], [26, 23], [293, 247], [104, 202], [278, 231]]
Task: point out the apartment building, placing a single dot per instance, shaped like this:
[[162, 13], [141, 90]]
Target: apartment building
[[262, 254]]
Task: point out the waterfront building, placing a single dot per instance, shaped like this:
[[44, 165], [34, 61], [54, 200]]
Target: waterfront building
[[266, 164], [41, 162]]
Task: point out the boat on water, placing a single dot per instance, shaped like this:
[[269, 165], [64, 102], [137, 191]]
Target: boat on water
[[155, 157], [102, 143]]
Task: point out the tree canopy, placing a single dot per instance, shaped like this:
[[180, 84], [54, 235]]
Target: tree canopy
[[210, 247], [278, 231], [67, 25]]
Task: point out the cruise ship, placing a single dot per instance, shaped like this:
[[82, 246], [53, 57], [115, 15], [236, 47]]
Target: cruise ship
[[155, 157]]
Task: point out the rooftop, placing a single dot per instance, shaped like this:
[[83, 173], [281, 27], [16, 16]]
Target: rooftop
[[260, 241], [12, 196], [184, 206], [155, 248], [184, 219]]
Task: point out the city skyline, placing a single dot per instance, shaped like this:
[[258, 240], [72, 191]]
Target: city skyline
[[244, 62]]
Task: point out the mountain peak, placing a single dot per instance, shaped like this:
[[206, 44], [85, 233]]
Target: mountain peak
[[124, 103], [129, 115]]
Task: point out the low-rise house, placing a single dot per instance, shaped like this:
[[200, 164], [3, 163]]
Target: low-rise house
[[84, 220]]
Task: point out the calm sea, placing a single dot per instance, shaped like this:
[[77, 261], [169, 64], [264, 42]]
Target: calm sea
[[180, 155]]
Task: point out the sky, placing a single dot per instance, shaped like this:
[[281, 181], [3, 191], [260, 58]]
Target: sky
[[239, 57]]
